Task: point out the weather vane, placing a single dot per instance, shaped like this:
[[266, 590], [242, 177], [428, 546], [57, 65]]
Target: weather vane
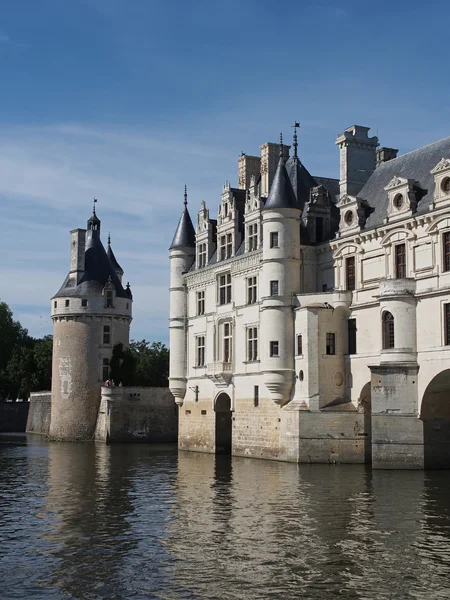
[[295, 144], [95, 200]]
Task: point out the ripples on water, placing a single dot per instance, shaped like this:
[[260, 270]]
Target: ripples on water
[[143, 522]]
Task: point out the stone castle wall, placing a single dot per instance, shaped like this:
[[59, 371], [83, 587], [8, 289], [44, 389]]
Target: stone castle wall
[[39, 414]]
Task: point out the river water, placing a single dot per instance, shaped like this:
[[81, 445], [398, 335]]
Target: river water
[[145, 522]]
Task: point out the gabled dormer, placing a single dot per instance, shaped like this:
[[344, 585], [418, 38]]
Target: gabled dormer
[[230, 221], [353, 214], [252, 218], [402, 198], [316, 214], [205, 237], [441, 174]]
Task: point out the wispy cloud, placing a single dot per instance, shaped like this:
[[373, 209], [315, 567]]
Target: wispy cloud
[[7, 42]]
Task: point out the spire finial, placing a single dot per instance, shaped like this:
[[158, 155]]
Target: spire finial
[[281, 146], [185, 196], [109, 238], [93, 209], [295, 144]]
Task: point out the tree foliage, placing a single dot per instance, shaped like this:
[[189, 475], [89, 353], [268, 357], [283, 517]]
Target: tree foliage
[[151, 363]]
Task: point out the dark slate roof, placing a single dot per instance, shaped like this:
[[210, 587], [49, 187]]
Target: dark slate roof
[[113, 259], [301, 180], [413, 165], [185, 234], [331, 185], [281, 194], [98, 269]]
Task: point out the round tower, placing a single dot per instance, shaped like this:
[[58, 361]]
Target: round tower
[[182, 255], [398, 320], [91, 313], [280, 281]]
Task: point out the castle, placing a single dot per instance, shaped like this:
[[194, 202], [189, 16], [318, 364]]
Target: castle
[[311, 321]]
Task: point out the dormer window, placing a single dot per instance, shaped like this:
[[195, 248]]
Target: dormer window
[[109, 299], [353, 214], [229, 245], [441, 173], [226, 209], [402, 197], [223, 247], [202, 255], [445, 185], [398, 201], [349, 217]]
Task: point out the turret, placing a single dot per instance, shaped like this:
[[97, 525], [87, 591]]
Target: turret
[[182, 255], [279, 284], [91, 313]]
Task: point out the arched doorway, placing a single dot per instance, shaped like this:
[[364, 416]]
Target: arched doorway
[[435, 415], [365, 402], [223, 424]]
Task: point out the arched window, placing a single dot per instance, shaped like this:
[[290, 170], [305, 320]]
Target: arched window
[[388, 330]]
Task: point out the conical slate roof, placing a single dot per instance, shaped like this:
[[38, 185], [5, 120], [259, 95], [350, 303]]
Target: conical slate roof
[[112, 258], [185, 233], [281, 193], [302, 182]]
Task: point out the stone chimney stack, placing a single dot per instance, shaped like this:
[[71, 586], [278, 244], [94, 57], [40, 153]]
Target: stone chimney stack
[[248, 166], [77, 249], [270, 155], [357, 158], [385, 154]]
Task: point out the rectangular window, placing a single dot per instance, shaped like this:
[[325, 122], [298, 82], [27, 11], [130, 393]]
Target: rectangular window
[[274, 288], [225, 289], [274, 239], [227, 339], [350, 272], [200, 358], [229, 245], [256, 396], [251, 290], [109, 299], [352, 336], [223, 247], [252, 343], [299, 345], [106, 334], [202, 255], [253, 237], [84, 302], [55, 304], [274, 349], [331, 343], [105, 369], [446, 244], [400, 261], [67, 303], [447, 324], [319, 229], [201, 303]]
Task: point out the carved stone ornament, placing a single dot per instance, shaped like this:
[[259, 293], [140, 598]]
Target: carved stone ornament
[[396, 182], [442, 165]]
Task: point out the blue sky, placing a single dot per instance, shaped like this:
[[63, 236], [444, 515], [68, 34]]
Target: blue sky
[[128, 100]]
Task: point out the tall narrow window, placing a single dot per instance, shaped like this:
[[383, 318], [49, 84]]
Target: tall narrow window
[[388, 330], [201, 302], [252, 343], [202, 255], [67, 303], [225, 289], [109, 299], [319, 229], [400, 261], [299, 344], [200, 358], [253, 237], [229, 245], [227, 339], [274, 239], [274, 348], [256, 396], [105, 369], [446, 244], [447, 324], [223, 247], [251, 290], [274, 288], [331, 344], [350, 272], [106, 334], [352, 336]]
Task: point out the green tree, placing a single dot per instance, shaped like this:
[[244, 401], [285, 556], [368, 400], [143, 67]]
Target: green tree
[[122, 365], [151, 363], [42, 354]]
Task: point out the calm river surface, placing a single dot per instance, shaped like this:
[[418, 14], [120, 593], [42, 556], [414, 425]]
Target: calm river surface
[[143, 522]]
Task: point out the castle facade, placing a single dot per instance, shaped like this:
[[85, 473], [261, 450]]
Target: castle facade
[[310, 322]]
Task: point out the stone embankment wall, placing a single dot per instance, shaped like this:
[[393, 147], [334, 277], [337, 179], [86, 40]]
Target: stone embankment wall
[[13, 416], [137, 414], [39, 414]]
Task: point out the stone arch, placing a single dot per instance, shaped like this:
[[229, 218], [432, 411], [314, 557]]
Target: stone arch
[[223, 424], [435, 416], [365, 406]]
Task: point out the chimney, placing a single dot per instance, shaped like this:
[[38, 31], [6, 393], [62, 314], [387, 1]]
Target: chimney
[[385, 154], [247, 166], [357, 158], [77, 248], [270, 155]]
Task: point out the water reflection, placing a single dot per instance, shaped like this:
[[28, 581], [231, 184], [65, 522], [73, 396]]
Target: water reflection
[[119, 522]]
